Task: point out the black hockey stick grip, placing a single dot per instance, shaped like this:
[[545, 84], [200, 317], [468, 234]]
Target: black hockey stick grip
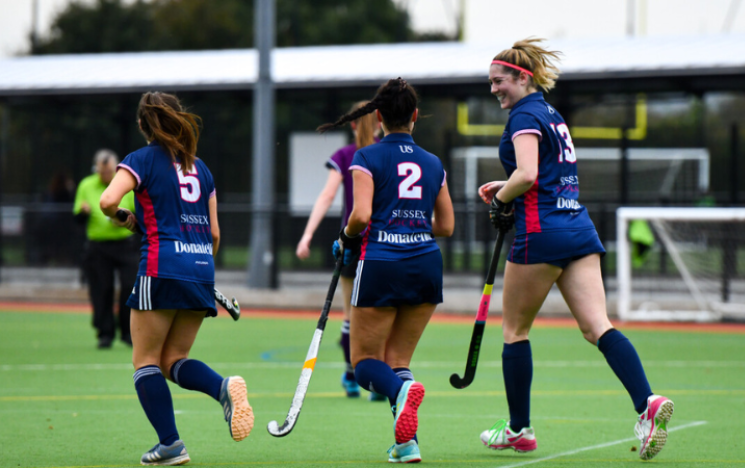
[[478, 327], [122, 216]]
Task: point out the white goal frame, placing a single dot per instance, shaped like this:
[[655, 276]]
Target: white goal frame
[[623, 262]]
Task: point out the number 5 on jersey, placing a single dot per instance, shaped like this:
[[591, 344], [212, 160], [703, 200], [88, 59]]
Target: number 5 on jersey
[[407, 189], [189, 183]]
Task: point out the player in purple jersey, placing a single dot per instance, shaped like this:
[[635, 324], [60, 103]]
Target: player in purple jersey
[[364, 128], [555, 242], [177, 212], [401, 202]]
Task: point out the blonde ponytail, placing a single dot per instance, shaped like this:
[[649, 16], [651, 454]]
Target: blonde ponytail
[[529, 55], [366, 126]]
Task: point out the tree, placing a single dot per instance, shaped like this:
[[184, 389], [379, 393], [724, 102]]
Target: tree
[[105, 26], [115, 26]]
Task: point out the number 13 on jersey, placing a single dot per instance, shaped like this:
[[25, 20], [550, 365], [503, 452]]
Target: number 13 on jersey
[[567, 153]]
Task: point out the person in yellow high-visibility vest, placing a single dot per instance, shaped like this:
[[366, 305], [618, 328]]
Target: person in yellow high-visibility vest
[[110, 249]]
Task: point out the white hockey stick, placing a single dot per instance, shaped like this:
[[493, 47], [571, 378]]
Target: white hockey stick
[[310, 362]]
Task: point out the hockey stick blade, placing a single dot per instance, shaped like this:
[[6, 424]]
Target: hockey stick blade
[[232, 306], [478, 327], [310, 362]]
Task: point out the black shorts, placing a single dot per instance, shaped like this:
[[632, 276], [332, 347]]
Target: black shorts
[[163, 294], [409, 281]]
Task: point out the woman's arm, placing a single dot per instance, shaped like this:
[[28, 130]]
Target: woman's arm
[[443, 221], [320, 208], [214, 226], [123, 183], [364, 188], [526, 155]]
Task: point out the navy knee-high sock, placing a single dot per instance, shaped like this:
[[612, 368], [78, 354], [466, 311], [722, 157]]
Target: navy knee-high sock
[[196, 375], [377, 376], [155, 398], [625, 362], [517, 369], [345, 348]]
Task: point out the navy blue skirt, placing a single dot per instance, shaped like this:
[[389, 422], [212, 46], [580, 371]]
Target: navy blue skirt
[[409, 281], [161, 294], [557, 248]]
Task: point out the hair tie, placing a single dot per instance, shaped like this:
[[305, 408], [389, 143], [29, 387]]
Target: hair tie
[[512, 65]]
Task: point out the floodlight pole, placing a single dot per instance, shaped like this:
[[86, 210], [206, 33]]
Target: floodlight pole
[[261, 271], [4, 135]]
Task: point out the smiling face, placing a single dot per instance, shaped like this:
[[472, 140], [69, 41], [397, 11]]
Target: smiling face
[[506, 87]]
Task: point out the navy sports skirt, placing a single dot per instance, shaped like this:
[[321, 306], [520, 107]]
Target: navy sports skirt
[[557, 248], [409, 281], [162, 293]]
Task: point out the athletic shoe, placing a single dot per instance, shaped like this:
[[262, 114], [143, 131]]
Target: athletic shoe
[[105, 342], [350, 386], [407, 403], [174, 454], [404, 453], [374, 396], [651, 426], [501, 437], [238, 413]]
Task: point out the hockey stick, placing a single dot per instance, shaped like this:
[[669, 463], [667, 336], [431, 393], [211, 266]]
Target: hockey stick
[[231, 306], [478, 326], [310, 361]]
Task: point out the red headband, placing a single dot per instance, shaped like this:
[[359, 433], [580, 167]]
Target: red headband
[[508, 64]]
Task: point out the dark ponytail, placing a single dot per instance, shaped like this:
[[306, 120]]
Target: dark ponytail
[[163, 119], [396, 100]]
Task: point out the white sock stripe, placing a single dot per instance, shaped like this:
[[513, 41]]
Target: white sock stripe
[[175, 369], [144, 372], [405, 374], [345, 326]]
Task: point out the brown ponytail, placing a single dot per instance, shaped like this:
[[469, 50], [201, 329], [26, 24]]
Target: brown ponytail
[[366, 127], [529, 55], [163, 119]]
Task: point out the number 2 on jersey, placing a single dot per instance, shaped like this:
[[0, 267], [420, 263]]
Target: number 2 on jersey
[[568, 153], [189, 183], [412, 172]]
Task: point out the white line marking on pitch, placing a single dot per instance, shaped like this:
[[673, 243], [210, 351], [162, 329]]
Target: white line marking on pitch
[[599, 446], [339, 365]]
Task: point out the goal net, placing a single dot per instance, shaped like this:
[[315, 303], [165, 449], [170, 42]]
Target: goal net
[[695, 270], [655, 174]]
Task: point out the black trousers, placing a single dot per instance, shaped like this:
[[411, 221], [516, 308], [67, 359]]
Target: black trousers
[[103, 259]]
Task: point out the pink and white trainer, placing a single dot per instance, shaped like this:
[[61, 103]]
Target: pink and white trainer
[[501, 437], [651, 426]]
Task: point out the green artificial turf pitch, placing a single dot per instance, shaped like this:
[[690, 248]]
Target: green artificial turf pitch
[[64, 403]]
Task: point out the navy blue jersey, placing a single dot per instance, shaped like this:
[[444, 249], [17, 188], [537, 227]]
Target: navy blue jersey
[[407, 182], [551, 204], [173, 210]]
